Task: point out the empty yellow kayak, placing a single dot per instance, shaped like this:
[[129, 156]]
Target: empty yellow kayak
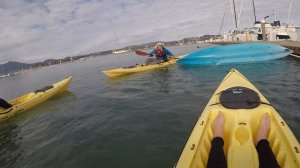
[[243, 106], [32, 99], [139, 68]]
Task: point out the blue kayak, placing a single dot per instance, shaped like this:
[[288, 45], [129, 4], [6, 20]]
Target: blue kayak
[[236, 53]]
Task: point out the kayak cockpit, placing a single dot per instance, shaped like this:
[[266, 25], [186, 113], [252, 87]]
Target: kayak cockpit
[[22, 99]]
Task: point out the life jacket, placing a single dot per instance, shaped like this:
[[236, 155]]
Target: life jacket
[[161, 53]]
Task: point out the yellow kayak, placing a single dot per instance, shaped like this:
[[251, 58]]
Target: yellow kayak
[[32, 99], [242, 117], [139, 68]]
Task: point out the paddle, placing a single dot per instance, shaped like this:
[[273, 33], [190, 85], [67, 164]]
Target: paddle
[[141, 53]]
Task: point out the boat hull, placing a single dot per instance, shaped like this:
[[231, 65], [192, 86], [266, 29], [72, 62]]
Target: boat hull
[[236, 53], [240, 130], [139, 68], [32, 99]]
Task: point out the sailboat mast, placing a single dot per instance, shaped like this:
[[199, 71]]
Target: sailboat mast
[[288, 21], [254, 11], [234, 11], [228, 2]]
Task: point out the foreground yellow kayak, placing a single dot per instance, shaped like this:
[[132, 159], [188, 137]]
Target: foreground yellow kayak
[[32, 99], [243, 106], [139, 68]]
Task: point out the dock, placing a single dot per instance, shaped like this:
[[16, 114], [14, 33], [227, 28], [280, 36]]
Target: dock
[[292, 45]]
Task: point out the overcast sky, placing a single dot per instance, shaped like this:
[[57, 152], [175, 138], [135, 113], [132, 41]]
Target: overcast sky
[[35, 30]]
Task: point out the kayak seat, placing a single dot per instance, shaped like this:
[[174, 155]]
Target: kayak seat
[[239, 98], [4, 104], [44, 89]]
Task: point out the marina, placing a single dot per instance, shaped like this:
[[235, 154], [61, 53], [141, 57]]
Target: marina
[[268, 30]]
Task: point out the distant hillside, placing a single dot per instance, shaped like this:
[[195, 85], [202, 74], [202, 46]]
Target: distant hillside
[[13, 66]]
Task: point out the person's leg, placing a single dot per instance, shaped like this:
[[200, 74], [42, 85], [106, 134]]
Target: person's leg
[[158, 60], [149, 61], [216, 158], [266, 156]]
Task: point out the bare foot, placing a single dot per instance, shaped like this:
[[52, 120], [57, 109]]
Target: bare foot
[[264, 128], [218, 125]]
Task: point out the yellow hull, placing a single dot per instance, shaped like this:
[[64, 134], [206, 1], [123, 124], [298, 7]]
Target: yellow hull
[[32, 99], [241, 126], [125, 71]]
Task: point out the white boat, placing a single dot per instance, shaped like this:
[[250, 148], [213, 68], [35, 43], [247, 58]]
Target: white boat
[[293, 32], [277, 32], [120, 51]]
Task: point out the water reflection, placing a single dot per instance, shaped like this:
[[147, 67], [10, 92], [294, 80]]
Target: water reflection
[[10, 151], [162, 80]]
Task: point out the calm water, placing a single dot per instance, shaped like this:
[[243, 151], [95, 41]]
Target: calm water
[[141, 120]]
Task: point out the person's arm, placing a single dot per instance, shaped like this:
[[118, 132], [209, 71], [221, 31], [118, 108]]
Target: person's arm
[[169, 53], [152, 53]]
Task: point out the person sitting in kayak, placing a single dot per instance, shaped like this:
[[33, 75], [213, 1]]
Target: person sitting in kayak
[[217, 158], [160, 53]]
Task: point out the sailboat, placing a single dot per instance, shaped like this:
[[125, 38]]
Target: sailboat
[[274, 31]]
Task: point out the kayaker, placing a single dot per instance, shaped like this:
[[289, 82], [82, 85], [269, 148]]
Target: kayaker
[[266, 157], [160, 53], [4, 104]]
